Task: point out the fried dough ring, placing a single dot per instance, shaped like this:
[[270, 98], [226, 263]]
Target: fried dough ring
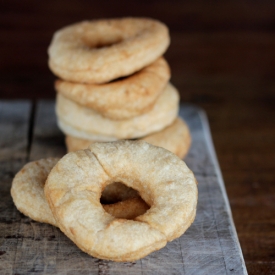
[[122, 99], [27, 190], [93, 126], [28, 195], [176, 138], [164, 182], [102, 50]]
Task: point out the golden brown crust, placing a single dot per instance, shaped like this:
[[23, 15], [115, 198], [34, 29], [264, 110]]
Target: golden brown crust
[[102, 50], [176, 138], [164, 182], [122, 99], [83, 122], [27, 190]]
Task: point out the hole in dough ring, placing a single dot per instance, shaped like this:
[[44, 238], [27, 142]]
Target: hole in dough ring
[[102, 50], [28, 195], [163, 181], [117, 192], [94, 126], [128, 209], [122, 99], [176, 138]]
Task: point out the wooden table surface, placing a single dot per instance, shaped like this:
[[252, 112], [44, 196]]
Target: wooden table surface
[[222, 57]]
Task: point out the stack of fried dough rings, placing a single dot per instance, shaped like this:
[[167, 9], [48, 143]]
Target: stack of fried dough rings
[[122, 191], [114, 84]]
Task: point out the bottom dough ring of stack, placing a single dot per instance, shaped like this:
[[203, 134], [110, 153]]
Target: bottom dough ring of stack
[[175, 138], [164, 182], [28, 194], [82, 122]]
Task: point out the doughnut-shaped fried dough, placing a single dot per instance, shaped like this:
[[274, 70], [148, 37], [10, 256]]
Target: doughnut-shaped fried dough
[[164, 182], [122, 99], [102, 50], [85, 123], [176, 138]]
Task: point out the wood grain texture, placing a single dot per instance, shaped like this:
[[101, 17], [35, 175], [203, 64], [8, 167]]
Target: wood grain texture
[[14, 129], [222, 59], [47, 139], [209, 246]]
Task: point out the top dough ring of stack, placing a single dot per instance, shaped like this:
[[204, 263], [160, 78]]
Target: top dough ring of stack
[[102, 50], [164, 182]]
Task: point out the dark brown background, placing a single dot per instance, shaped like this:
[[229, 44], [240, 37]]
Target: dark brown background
[[222, 58]]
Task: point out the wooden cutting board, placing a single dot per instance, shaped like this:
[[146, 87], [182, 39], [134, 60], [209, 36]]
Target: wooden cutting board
[[209, 246]]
